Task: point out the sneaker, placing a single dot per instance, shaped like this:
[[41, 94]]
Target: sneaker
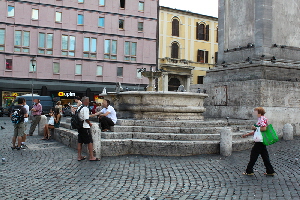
[[23, 146]]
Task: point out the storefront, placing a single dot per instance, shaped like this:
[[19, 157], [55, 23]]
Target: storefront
[[8, 97], [65, 97]]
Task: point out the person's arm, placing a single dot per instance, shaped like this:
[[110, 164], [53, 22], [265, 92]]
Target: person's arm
[[86, 116], [263, 128], [104, 114], [97, 113], [246, 135], [56, 119]]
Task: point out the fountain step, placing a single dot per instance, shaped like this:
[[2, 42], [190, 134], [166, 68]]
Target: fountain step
[[115, 147], [166, 136]]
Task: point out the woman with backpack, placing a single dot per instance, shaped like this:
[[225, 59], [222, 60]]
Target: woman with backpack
[[53, 122]]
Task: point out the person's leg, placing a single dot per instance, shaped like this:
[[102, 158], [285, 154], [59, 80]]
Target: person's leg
[[48, 131], [253, 158], [104, 123], [19, 141], [91, 153], [34, 123], [79, 148], [45, 131], [266, 159], [14, 138]]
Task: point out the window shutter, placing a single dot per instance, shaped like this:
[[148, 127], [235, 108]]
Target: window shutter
[[202, 31], [197, 31], [175, 27], [198, 55], [174, 50], [201, 55], [207, 33], [206, 57], [216, 57]]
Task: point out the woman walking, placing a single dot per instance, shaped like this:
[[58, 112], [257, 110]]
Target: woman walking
[[259, 148]]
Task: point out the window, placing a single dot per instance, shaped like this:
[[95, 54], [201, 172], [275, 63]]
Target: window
[[8, 64], [175, 50], [35, 14], [110, 49], [10, 11], [56, 68], [32, 66], [101, 2], [140, 26], [45, 43], [141, 6], [138, 73], [78, 69], [89, 47], [202, 32], [68, 45], [80, 1], [175, 27], [58, 17], [217, 35], [99, 70], [130, 51], [2, 39], [200, 79], [22, 41], [79, 19], [120, 71], [202, 56], [101, 22], [121, 23], [216, 57], [122, 4]]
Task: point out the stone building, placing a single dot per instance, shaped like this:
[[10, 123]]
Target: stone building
[[259, 62], [187, 47], [75, 46]]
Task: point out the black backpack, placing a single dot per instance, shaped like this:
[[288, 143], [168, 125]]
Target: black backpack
[[76, 122], [16, 116]]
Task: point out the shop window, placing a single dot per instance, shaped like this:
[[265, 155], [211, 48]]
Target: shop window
[[35, 14], [202, 56], [56, 67], [101, 2], [22, 41], [8, 64], [122, 4], [10, 11], [175, 50], [120, 71], [58, 17], [140, 26], [130, 51], [200, 79], [2, 39], [121, 23], [175, 27], [89, 47], [110, 49], [101, 22]]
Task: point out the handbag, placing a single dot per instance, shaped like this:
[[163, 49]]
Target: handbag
[[257, 137], [269, 136]]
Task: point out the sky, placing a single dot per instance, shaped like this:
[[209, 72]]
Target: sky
[[204, 7]]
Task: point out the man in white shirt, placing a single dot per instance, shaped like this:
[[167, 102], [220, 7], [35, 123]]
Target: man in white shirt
[[23, 145], [107, 116], [84, 133]]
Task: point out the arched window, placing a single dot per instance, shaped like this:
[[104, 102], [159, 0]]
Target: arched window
[[175, 50], [202, 32], [175, 27]]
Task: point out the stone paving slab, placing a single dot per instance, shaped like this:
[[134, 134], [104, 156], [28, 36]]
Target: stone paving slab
[[50, 170]]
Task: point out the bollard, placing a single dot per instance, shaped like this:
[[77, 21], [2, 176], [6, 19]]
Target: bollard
[[226, 141], [96, 134], [42, 124], [288, 132]]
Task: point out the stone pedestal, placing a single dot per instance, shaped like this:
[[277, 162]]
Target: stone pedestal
[[288, 132], [96, 134], [226, 142], [42, 124]]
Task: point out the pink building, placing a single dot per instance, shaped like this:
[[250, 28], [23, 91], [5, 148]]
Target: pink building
[[76, 46]]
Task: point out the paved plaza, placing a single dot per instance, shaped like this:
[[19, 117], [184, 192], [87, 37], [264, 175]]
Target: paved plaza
[[50, 170]]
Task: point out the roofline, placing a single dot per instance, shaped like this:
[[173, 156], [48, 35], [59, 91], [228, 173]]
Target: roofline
[[187, 12]]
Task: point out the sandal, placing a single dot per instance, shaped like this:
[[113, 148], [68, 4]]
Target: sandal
[[248, 174], [97, 159], [82, 158]]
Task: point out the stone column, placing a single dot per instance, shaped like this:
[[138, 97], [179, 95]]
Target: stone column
[[42, 124], [288, 132], [188, 83], [96, 134], [226, 141], [165, 80]]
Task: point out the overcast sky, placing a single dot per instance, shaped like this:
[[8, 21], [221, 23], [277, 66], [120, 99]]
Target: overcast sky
[[204, 7]]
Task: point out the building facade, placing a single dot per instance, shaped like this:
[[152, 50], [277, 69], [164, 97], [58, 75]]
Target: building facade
[[188, 47], [76, 47]]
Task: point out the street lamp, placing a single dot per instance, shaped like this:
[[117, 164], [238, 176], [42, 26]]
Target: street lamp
[[33, 65]]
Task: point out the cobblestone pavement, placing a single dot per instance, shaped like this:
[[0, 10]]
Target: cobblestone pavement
[[50, 170]]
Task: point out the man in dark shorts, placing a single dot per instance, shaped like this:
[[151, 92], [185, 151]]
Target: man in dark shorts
[[84, 134]]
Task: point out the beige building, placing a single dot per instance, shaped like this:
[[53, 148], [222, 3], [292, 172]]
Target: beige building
[[188, 47]]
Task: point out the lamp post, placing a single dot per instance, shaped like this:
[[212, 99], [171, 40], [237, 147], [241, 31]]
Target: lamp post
[[33, 65]]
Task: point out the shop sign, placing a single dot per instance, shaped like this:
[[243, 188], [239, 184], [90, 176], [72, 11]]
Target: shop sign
[[67, 94]]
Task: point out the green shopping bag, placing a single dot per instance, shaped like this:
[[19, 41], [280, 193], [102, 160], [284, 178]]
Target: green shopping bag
[[269, 136]]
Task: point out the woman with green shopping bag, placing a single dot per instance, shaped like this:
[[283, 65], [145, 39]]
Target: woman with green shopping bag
[[259, 148]]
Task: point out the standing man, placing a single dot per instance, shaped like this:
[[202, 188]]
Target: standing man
[[23, 146], [19, 127], [107, 116], [36, 111], [84, 133]]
